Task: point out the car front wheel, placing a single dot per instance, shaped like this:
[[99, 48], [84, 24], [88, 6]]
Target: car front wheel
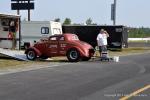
[[73, 55], [31, 55]]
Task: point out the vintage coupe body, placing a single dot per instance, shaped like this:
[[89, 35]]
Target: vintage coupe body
[[61, 45]]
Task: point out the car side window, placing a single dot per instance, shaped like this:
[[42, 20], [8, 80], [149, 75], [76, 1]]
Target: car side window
[[53, 38], [75, 37], [62, 38]]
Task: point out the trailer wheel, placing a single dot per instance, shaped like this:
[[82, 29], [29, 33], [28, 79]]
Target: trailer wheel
[[73, 55], [31, 55]]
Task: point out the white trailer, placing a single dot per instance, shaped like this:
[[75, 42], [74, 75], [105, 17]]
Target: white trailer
[[33, 31], [9, 31]]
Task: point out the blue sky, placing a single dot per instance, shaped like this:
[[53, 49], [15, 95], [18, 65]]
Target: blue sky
[[134, 13]]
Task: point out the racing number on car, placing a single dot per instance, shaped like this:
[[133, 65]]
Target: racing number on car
[[53, 46], [62, 48]]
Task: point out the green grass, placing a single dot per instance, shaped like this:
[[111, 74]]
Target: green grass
[[128, 51], [10, 63], [131, 51]]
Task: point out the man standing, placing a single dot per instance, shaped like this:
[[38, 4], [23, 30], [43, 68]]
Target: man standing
[[102, 40]]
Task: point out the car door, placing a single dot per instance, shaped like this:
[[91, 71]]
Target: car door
[[53, 46], [62, 46]]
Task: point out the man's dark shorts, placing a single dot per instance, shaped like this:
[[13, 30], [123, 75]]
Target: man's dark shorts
[[102, 48]]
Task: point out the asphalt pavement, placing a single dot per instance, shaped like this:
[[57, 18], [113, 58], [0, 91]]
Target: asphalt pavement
[[92, 80]]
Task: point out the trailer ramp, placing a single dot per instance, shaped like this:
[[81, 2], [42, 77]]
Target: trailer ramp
[[16, 54]]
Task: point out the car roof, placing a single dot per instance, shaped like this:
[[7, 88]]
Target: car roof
[[64, 34]]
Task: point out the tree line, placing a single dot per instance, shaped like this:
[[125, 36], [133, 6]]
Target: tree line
[[139, 32], [68, 21]]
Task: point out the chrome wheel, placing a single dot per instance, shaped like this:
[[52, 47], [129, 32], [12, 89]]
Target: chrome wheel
[[31, 55]]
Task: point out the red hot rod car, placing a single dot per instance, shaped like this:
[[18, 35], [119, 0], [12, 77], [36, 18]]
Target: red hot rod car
[[61, 45]]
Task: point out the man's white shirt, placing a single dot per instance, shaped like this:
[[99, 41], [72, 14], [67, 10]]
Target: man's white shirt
[[102, 39]]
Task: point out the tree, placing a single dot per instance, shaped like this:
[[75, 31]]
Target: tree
[[89, 21], [67, 21], [139, 32], [57, 19]]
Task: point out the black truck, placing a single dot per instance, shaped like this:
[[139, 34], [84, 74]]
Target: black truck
[[118, 36]]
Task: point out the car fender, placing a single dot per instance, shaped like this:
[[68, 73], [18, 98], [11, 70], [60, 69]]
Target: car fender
[[35, 49]]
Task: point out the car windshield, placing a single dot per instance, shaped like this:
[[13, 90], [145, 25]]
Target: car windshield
[[74, 37]]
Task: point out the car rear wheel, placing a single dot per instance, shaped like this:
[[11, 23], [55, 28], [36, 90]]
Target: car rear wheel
[[73, 55], [31, 55]]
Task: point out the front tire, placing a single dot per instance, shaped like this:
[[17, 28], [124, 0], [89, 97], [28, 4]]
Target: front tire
[[73, 55], [31, 55]]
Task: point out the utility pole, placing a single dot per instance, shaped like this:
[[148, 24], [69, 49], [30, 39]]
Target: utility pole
[[18, 12], [28, 11], [113, 12], [114, 21]]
